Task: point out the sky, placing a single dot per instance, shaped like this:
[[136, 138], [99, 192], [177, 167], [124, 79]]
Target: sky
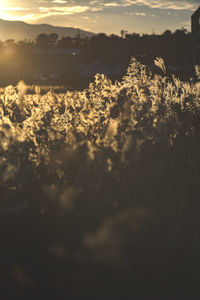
[[139, 16]]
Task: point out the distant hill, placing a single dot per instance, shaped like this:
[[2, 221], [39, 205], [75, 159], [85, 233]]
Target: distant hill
[[18, 30]]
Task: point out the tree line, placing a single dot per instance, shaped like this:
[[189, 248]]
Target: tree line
[[174, 47]]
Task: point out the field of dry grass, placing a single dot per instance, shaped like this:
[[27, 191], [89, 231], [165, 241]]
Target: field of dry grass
[[101, 187]]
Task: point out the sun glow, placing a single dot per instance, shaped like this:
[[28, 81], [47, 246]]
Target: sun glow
[[4, 4], [8, 17], [8, 11]]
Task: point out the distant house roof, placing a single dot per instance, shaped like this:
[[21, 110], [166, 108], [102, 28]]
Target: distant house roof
[[197, 12]]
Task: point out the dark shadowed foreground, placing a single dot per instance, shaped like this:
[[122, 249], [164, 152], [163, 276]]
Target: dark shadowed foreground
[[100, 190]]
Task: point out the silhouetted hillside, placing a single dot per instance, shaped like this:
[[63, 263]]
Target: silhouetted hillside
[[19, 30]]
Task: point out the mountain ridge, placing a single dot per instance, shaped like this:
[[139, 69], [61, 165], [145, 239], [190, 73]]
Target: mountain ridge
[[19, 30]]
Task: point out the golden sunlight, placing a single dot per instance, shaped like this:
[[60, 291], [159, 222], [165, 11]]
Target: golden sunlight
[[8, 17], [5, 5], [8, 12], [2, 4]]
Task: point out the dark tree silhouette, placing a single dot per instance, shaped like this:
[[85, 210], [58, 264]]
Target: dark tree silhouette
[[42, 40], [52, 39]]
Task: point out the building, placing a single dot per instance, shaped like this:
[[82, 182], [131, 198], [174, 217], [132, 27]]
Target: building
[[196, 36]]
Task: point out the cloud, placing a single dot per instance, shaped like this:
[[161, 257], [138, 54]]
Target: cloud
[[14, 9], [160, 4], [58, 11], [132, 14], [174, 5], [112, 4], [8, 17], [140, 14], [64, 10], [59, 1], [95, 5]]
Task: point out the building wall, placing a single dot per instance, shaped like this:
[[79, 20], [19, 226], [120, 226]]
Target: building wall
[[196, 36]]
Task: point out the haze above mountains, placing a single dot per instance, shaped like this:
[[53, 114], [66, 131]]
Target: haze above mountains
[[18, 30]]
